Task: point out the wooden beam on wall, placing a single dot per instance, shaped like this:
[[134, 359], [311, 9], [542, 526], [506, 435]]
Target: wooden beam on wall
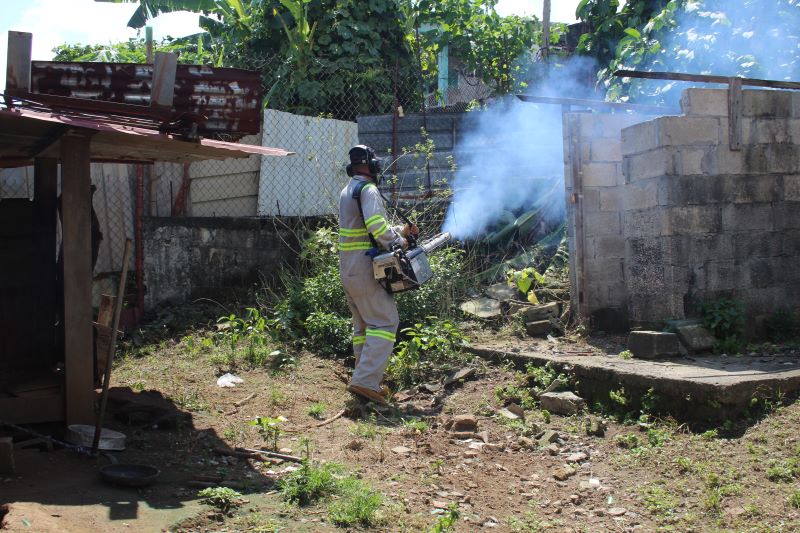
[[45, 187], [735, 113], [18, 66], [163, 88], [76, 241]]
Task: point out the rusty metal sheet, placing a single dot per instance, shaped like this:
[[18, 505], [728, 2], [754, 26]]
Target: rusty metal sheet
[[227, 99]]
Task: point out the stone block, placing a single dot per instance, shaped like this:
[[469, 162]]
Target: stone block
[[652, 164], [605, 270], [639, 138], [704, 102], [653, 344], [689, 249], [611, 199], [695, 220], [791, 188], [757, 244], [591, 199], [787, 215], [767, 158], [645, 223], [695, 337], [610, 125], [747, 217], [680, 131], [464, 423], [561, 403], [540, 312], [695, 190], [765, 131], [790, 243], [600, 174], [689, 161], [752, 188], [761, 103], [607, 149], [606, 246], [538, 328], [602, 223], [641, 194], [724, 161]]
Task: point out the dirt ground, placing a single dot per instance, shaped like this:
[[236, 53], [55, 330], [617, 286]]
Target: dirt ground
[[629, 479]]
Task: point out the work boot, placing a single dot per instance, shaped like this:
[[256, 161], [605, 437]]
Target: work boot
[[369, 394]]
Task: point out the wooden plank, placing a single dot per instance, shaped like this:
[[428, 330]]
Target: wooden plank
[[598, 104], [33, 410], [163, 89], [703, 78], [735, 113], [18, 66], [45, 179], [76, 230], [546, 29]]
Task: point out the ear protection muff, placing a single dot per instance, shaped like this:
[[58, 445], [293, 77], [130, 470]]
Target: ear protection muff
[[364, 155]]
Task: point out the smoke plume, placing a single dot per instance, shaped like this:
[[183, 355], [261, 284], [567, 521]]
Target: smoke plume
[[511, 155]]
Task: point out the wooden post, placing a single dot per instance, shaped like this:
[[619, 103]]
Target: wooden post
[[45, 178], [163, 88], [546, 29], [735, 113], [76, 242], [18, 66]]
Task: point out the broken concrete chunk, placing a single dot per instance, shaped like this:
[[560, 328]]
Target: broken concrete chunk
[[502, 291], [553, 449], [596, 427], [506, 413], [484, 436], [536, 313], [538, 328], [482, 307], [577, 457], [526, 443], [563, 474], [695, 338], [561, 403], [517, 410], [652, 344], [548, 437], [461, 375], [465, 423], [401, 450]]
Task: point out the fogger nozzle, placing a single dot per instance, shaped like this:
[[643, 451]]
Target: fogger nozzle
[[436, 242]]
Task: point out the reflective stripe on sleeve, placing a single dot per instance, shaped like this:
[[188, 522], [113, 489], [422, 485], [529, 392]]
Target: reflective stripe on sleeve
[[350, 232], [348, 246], [359, 339]]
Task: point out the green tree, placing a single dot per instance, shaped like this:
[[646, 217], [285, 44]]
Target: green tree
[[190, 51]]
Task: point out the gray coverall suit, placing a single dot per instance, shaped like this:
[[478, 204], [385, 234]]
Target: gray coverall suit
[[375, 318]]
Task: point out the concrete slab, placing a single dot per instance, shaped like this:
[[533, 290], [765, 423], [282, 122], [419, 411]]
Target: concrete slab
[[707, 388]]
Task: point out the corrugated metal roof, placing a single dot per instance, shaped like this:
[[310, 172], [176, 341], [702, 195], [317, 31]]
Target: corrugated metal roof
[[224, 101], [25, 134]]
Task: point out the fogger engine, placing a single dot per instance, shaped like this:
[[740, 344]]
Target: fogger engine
[[404, 270]]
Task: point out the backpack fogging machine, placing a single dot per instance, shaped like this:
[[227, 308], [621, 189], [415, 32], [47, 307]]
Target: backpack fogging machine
[[403, 270]]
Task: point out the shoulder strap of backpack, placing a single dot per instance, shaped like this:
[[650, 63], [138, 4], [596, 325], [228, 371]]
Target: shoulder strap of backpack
[[357, 197]]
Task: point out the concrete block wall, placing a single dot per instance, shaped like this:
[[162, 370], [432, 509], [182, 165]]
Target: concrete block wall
[[187, 258], [594, 185], [702, 221], [442, 128]]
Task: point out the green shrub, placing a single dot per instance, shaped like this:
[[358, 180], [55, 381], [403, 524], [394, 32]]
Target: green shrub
[[358, 506], [724, 318], [329, 334], [310, 483], [223, 499], [628, 441], [427, 350], [794, 499]]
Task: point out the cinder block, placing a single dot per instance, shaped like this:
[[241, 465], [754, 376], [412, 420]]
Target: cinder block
[[773, 104], [679, 131], [693, 249], [705, 102], [786, 215], [695, 220], [766, 130], [752, 189], [653, 344], [641, 194], [763, 272], [611, 199], [606, 246], [791, 187], [690, 161], [645, 223], [591, 199], [600, 174], [639, 138], [655, 163], [695, 190], [604, 270], [611, 125], [607, 150], [721, 160], [717, 277], [747, 217], [602, 223], [790, 244]]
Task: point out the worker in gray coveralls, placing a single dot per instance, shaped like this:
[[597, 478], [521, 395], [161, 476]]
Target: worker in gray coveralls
[[363, 231]]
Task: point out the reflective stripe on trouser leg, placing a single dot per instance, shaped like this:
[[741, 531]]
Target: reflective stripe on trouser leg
[[379, 312], [359, 329]]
